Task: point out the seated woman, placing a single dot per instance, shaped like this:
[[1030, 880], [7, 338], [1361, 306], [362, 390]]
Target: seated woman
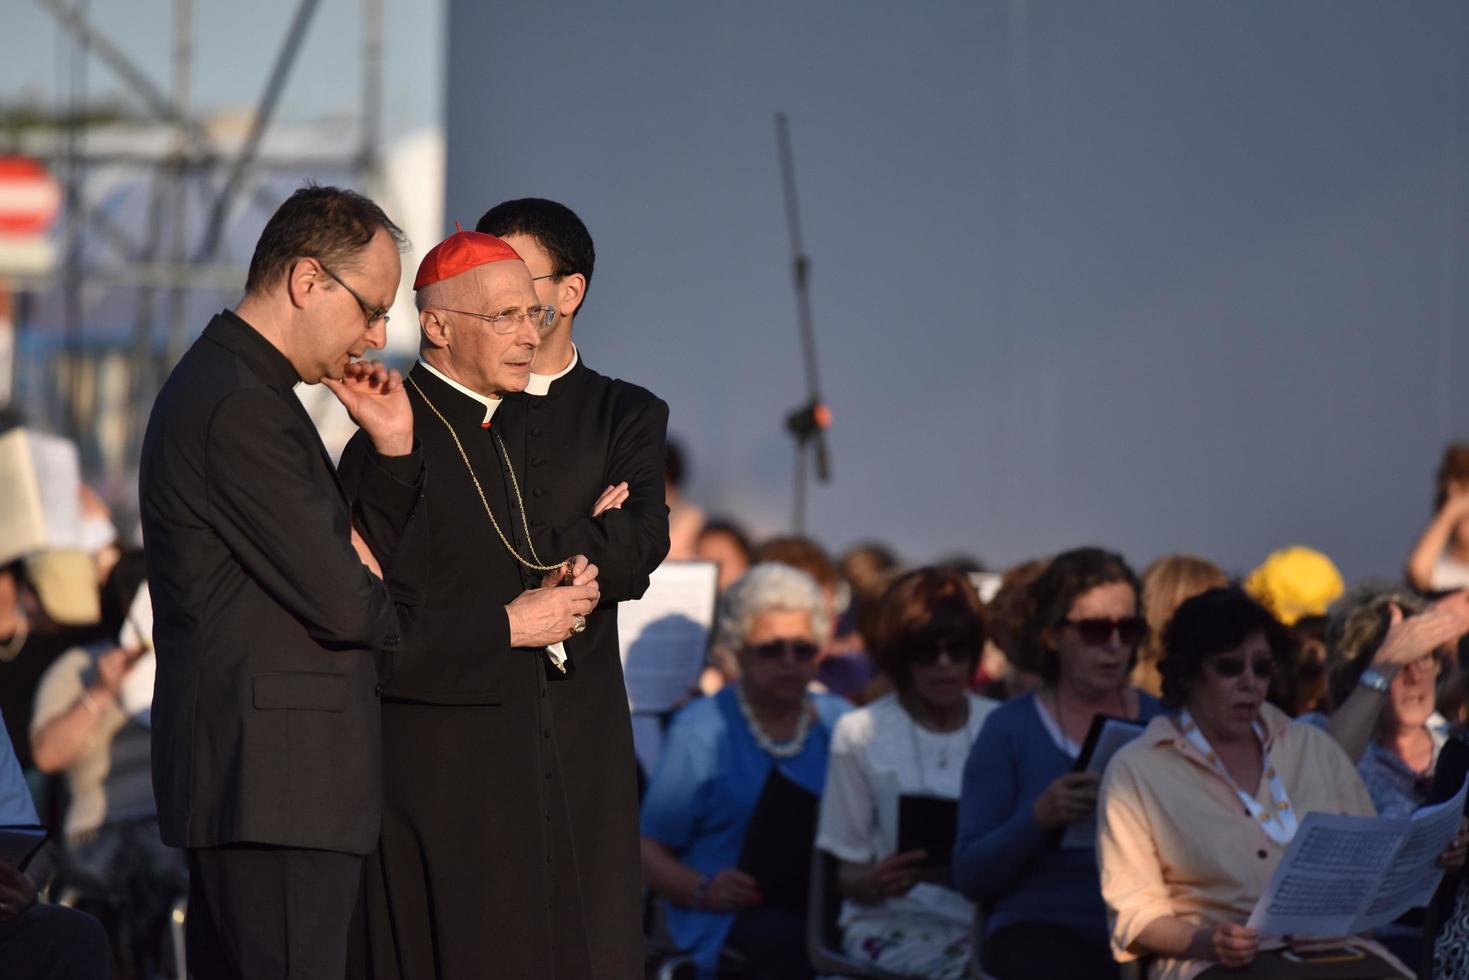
[[1195, 814], [1044, 914], [719, 755], [112, 858], [929, 632]]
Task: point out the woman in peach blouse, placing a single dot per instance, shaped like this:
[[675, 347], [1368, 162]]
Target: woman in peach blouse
[[1195, 815]]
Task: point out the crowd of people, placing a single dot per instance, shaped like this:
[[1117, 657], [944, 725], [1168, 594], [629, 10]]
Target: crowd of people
[[908, 737], [1263, 696]]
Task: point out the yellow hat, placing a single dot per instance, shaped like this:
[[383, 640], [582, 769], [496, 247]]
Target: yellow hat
[[1295, 582], [65, 580]]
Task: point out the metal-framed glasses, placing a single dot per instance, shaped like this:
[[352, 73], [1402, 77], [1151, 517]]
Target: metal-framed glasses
[[373, 313], [508, 321]]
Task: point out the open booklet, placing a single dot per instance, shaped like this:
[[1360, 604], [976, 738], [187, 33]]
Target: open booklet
[[1345, 875]]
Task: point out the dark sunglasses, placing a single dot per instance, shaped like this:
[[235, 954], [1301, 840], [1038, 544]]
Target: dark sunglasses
[[1263, 667], [1096, 631], [928, 656], [803, 651]]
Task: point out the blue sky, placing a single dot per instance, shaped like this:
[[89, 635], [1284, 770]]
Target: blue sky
[[235, 45]]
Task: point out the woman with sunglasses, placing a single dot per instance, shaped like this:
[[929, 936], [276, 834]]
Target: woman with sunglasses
[[1195, 814], [719, 756], [1044, 914], [900, 914]]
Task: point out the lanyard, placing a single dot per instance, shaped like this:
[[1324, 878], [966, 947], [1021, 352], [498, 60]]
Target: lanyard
[[1279, 820]]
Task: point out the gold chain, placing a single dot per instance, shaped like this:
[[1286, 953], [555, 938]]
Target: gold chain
[[533, 565]]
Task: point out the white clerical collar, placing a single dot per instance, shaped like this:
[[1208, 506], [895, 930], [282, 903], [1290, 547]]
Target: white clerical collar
[[540, 384], [489, 403]]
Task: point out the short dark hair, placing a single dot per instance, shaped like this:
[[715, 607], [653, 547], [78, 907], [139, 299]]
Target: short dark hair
[[804, 554], [1049, 599], [1209, 624], [329, 224], [555, 226], [930, 608], [732, 530]]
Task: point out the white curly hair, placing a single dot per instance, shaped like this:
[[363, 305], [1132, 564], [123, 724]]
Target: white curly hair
[[765, 587]]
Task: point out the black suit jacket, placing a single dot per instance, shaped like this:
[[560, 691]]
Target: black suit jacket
[[265, 719]]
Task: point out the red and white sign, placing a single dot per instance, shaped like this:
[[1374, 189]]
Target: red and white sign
[[30, 199]]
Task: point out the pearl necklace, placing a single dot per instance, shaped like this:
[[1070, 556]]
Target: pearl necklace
[[781, 750]]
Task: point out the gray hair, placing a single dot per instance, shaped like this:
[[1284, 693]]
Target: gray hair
[[766, 587], [1356, 625]]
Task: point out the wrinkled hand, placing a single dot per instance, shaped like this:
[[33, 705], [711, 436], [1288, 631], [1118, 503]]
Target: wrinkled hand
[[17, 891], [732, 890], [364, 553], [895, 874], [375, 398], [1452, 859], [1235, 945], [540, 617], [573, 571], [611, 498], [1067, 800], [114, 665], [1418, 636]]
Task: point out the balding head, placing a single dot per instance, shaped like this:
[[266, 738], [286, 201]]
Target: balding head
[[457, 337]]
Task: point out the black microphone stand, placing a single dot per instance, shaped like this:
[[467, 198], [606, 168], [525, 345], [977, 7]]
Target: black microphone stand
[[808, 423]]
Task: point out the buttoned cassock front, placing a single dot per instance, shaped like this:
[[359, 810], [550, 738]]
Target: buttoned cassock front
[[589, 431], [465, 881]]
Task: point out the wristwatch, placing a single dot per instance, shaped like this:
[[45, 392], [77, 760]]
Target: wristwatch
[[1372, 679]]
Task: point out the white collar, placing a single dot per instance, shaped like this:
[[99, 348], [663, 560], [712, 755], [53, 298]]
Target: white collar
[[490, 403], [540, 384]]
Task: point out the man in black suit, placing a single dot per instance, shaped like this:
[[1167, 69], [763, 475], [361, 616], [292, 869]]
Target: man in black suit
[[592, 449], [268, 602]]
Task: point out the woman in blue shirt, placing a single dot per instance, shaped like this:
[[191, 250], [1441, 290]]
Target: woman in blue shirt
[[718, 756], [1044, 915]]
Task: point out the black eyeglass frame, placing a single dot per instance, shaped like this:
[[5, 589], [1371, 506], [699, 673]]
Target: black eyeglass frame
[[373, 313]]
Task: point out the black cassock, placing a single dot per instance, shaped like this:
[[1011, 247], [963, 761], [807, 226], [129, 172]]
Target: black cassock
[[586, 432], [475, 872]]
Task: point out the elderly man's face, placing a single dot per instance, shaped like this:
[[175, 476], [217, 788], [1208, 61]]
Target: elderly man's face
[[779, 679], [482, 359]]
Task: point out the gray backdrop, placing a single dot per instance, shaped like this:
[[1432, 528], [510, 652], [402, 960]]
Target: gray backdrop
[[1156, 275]]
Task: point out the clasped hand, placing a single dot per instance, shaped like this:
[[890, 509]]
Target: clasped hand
[[542, 616]]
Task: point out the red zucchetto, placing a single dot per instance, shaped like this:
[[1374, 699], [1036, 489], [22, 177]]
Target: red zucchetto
[[460, 252]]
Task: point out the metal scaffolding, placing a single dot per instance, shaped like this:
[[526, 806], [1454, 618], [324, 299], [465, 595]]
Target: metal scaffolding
[[196, 187]]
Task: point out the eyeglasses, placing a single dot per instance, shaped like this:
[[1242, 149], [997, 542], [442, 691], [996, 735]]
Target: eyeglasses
[[373, 313], [1227, 667], [1095, 631], [508, 321], [928, 656], [802, 651], [549, 275]]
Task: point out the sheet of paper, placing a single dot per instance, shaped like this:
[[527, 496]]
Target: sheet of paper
[[40, 494], [1345, 875], [665, 635], [1113, 736], [1415, 874]]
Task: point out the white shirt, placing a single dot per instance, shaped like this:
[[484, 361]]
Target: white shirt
[[540, 384], [490, 403], [1448, 573], [16, 805], [878, 753]]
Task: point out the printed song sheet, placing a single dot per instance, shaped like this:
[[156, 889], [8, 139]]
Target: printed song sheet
[[1345, 875], [665, 635]]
